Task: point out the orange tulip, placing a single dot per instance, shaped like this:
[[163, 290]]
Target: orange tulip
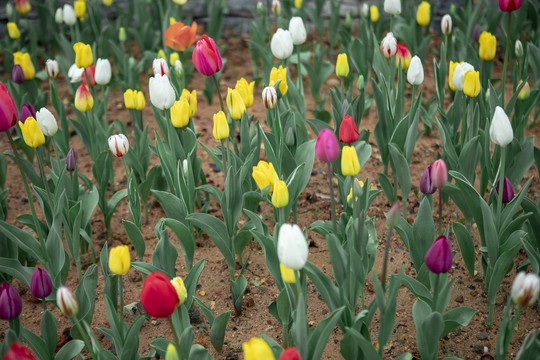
[[180, 36]]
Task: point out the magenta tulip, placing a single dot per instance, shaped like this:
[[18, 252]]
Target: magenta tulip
[[8, 110], [206, 57], [508, 190], [439, 256], [326, 147], [10, 302], [510, 5], [40, 284]]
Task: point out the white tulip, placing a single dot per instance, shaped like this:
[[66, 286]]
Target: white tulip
[[446, 24], [162, 93], [69, 15], [75, 73], [292, 247], [500, 131], [47, 122], [51, 67], [160, 67], [119, 145], [525, 289], [276, 7], [364, 10], [459, 74], [103, 71], [392, 7], [281, 44], [59, 16], [518, 48], [389, 45], [415, 73], [269, 96], [297, 30], [178, 68]]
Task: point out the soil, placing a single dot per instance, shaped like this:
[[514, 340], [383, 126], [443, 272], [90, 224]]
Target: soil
[[465, 342]]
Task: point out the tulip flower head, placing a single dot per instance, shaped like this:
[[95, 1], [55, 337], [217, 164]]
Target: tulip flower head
[[280, 196], [191, 98], [173, 58], [290, 354], [10, 302], [172, 353], [8, 110], [476, 32], [162, 94], [69, 15], [326, 147], [84, 101], [297, 30], [27, 110], [392, 7], [393, 216], [518, 48], [281, 44], [122, 36], [40, 284], [23, 6], [107, 2], [23, 59], [17, 351], [235, 104], [500, 130], [180, 288], [206, 57], [350, 166], [439, 174], [403, 56], [119, 260], [446, 24], [119, 146], [525, 289], [342, 65], [389, 45], [71, 160], [221, 126], [257, 349], [423, 15], [348, 131], [508, 190], [292, 247], [32, 134], [471, 83], [374, 13], [276, 7], [160, 67], [158, 296], [83, 55], [458, 75], [17, 75], [245, 90], [525, 91], [451, 69], [265, 175], [488, 46], [59, 16], [287, 274], [180, 113], [13, 30], [130, 99], [89, 75], [269, 96], [438, 258], [415, 73], [75, 73], [52, 69], [510, 5], [277, 74], [47, 122], [426, 184], [179, 36], [364, 10], [103, 72], [67, 302], [298, 4]]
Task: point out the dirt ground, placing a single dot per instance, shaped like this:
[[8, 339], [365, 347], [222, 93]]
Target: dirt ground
[[465, 342]]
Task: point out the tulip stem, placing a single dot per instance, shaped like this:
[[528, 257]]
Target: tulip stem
[[436, 292], [385, 261], [224, 161], [506, 53], [219, 94], [84, 336], [44, 304], [176, 340], [413, 96], [332, 200], [125, 168], [440, 211], [501, 184], [121, 294], [42, 172]]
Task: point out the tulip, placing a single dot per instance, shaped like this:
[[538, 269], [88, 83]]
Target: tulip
[[348, 131], [426, 183], [178, 68], [518, 48], [281, 44], [403, 55], [276, 7], [476, 32], [358, 187], [17, 351], [342, 65], [67, 302], [107, 2], [8, 110], [326, 147], [349, 161], [32, 134], [47, 122], [374, 13], [509, 5], [290, 354], [297, 30], [10, 302], [75, 73], [298, 4], [287, 274], [525, 289], [265, 175], [180, 113], [59, 16], [9, 10], [83, 98], [52, 69], [179, 36], [221, 127], [292, 247], [280, 196], [451, 69], [103, 71], [173, 58], [23, 6], [260, 8], [360, 83], [415, 73], [446, 24], [500, 130], [279, 74], [488, 45], [235, 104], [141, 102], [171, 353], [393, 216], [438, 258], [191, 98], [459, 75], [13, 30], [24, 60], [389, 45], [269, 96], [392, 7], [439, 174], [69, 15], [423, 15], [508, 190], [158, 296], [257, 349], [119, 146], [471, 83], [83, 55], [80, 9], [130, 99], [162, 94], [27, 110], [17, 75], [89, 75], [180, 2], [71, 160], [180, 288], [206, 57], [161, 55], [245, 90], [122, 37], [525, 91], [119, 258], [160, 67], [40, 284]]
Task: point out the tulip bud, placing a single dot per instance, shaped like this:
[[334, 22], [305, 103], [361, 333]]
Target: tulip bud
[[280, 196], [162, 94], [69, 15], [297, 30], [471, 83], [289, 137], [80, 9], [178, 68], [361, 84], [257, 349], [59, 16], [132, 62], [221, 127], [122, 34], [180, 113], [235, 104], [103, 72], [9, 10], [17, 75], [392, 7], [525, 289], [158, 296], [185, 168], [290, 354], [52, 69], [206, 57], [438, 258], [393, 216], [415, 73], [171, 353], [89, 75], [67, 302], [180, 288], [71, 160], [423, 15], [173, 58], [119, 145], [342, 65], [27, 110], [518, 48], [10, 302], [8, 110], [350, 166], [298, 4], [47, 122], [510, 5], [389, 45], [348, 131], [500, 131], [84, 101], [13, 30], [287, 274], [364, 10], [374, 13], [476, 32], [23, 6], [265, 175], [260, 7], [459, 74], [348, 21], [107, 2], [439, 174], [40, 284], [269, 97], [18, 351], [160, 67], [446, 24], [508, 191], [281, 44], [426, 184], [75, 73], [292, 247], [130, 99], [83, 55], [525, 91], [119, 259], [326, 147], [403, 56], [276, 7]]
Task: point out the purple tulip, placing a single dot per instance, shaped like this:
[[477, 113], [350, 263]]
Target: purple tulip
[[71, 160], [27, 111], [439, 174], [508, 190], [426, 184], [476, 32], [17, 75], [326, 147], [439, 256], [10, 302], [41, 284]]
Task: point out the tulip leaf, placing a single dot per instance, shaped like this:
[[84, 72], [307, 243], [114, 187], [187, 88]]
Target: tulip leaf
[[238, 288], [191, 281], [24, 241], [318, 338], [417, 288], [457, 316], [328, 290], [429, 327], [206, 310], [270, 255], [365, 345], [70, 350], [13, 267], [217, 331], [36, 343], [173, 206], [165, 253], [185, 238], [402, 170], [466, 245], [131, 345], [469, 158], [49, 330], [135, 236]]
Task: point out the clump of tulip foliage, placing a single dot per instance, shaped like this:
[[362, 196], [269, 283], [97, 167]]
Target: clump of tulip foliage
[[376, 59]]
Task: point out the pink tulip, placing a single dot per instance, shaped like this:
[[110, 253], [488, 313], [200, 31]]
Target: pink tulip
[[439, 174], [206, 57], [326, 147]]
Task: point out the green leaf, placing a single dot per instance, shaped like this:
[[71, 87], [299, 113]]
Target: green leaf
[[466, 245], [135, 236], [49, 328], [455, 317], [13, 267], [238, 288], [173, 206], [319, 336], [70, 350], [402, 170], [217, 231], [423, 233], [217, 331], [185, 238]]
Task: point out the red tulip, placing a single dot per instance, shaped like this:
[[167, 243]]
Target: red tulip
[[510, 5], [404, 55], [179, 36], [8, 110], [206, 57], [326, 147], [348, 132], [290, 354], [17, 351], [158, 296], [439, 256], [91, 71]]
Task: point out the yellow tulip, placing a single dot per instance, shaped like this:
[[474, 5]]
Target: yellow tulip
[[24, 60], [180, 2], [342, 65], [141, 103], [374, 13], [235, 104], [191, 98], [280, 197], [180, 113], [246, 91], [80, 9], [349, 161], [451, 69], [173, 57], [119, 260], [84, 101], [13, 30], [264, 174], [298, 4], [180, 288], [83, 55], [423, 14], [471, 83], [221, 127], [279, 74], [172, 21], [23, 6], [287, 274], [161, 54], [107, 2], [257, 349], [171, 353], [130, 99], [488, 46], [32, 134]]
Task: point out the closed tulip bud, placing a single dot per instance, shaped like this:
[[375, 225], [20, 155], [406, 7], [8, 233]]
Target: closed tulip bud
[[403, 56], [13, 30], [500, 130], [389, 45], [458, 76], [132, 62], [393, 216], [350, 166], [269, 97], [130, 99], [488, 46], [415, 73], [89, 75], [265, 175], [67, 302], [260, 7], [173, 58], [326, 147], [103, 71], [374, 13], [298, 4], [235, 104], [122, 34], [47, 122], [180, 113], [180, 288], [27, 110], [221, 126], [17, 351], [69, 15], [9, 10], [32, 134], [24, 60], [162, 94], [446, 24], [84, 101], [17, 75], [75, 73], [107, 2], [206, 57], [141, 102], [439, 174], [80, 9], [277, 74], [8, 110], [59, 16], [508, 190], [185, 168], [83, 55], [276, 7], [158, 296], [71, 160], [280, 196], [119, 258], [40, 284], [423, 15], [426, 184], [392, 7], [10, 302], [178, 68], [525, 91], [257, 349], [297, 30], [292, 247], [364, 10], [518, 48], [438, 258], [476, 32], [52, 69], [119, 145], [281, 44], [525, 289], [361, 84], [23, 6], [348, 131], [290, 354], [180, 2], [342, 65], [287, 274], [510, 5], [160, 67], [471, 83], [348, 20], [171, 353], [289, 137], [246, 91]]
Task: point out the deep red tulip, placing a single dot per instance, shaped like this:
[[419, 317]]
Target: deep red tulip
[[290, 354], [40, 284], [27, 110], [326, 147], [8, 110], [439, 173], [10, 302], [158, 296], [426, 184], [348, 131], [439, 256], [206, 57], [508, 190], [17, 351], [510, 5]]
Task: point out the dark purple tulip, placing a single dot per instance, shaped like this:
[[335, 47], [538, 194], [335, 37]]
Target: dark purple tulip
[[476, 32], [17, 74], [508, 190], [41, 284], [10, 302], [439, 256], [27, 111], [71, 160], [326, 147], [426, 184]]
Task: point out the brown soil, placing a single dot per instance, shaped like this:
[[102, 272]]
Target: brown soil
[[466, 342]]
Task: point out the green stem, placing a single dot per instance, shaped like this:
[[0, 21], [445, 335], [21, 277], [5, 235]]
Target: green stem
[[332, 200], [385, 261], [219, 94], [125, 168], [43, 175], [86, 341], [506, 53], [413, 98], [121, 293], [176, 340], [501, 184], [44, 302], [224, 160], [436, 292], [440, 211]]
